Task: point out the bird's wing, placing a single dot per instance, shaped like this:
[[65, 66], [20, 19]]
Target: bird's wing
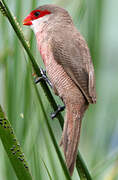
[[70, 50]]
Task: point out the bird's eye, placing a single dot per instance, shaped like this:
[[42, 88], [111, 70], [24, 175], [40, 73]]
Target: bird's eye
[[37, 13]]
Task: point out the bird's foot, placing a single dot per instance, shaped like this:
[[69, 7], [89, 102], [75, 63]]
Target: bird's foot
[[43, 77], [54, 114]]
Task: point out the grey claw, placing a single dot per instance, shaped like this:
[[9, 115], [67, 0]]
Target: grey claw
[[43, 77], [54, 114]]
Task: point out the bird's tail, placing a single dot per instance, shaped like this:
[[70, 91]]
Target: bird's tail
[[71, 132]]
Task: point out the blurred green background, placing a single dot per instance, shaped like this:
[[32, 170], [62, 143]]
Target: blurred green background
[[97, 20]]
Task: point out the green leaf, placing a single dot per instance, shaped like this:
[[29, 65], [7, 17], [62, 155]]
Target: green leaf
[[13, 149]]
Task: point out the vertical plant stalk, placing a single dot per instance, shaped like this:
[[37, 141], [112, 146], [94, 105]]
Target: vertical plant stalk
[[53, 137], [81, 166], [13, 149]]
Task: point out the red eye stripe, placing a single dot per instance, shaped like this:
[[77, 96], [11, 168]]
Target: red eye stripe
[[41, 14]]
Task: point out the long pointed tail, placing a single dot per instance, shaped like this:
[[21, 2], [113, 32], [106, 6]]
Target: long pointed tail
[[71, 131]]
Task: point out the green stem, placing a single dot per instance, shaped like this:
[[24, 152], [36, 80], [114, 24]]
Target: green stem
[[82, 168], [53, 138], [13, 149], [80, 163]]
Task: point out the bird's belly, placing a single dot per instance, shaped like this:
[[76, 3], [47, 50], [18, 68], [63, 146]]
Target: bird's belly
[[62, 83], [59, 78]]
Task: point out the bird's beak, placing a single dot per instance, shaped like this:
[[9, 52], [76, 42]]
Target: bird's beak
[[27, 21]]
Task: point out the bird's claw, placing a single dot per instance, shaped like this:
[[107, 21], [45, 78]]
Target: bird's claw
[[43, 77], [54, 114]]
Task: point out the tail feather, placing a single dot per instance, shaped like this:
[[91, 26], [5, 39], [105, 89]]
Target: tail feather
[[71, 132]]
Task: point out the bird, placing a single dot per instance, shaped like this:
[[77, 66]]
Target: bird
[[69, 66]]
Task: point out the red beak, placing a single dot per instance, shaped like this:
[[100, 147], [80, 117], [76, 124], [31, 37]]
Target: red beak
[[27, 21]]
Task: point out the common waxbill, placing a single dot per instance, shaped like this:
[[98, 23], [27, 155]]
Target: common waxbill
[[68, 64]]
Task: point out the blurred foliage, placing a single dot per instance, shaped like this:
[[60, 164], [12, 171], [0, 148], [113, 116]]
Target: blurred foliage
[[97, 21]]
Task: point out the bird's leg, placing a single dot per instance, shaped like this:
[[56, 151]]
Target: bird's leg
[[43, 77], [59, 109]]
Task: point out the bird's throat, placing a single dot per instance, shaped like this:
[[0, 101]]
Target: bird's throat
[[39, 24]]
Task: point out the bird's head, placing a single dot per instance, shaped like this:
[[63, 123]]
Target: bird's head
[[46, 14], [35, 15]]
